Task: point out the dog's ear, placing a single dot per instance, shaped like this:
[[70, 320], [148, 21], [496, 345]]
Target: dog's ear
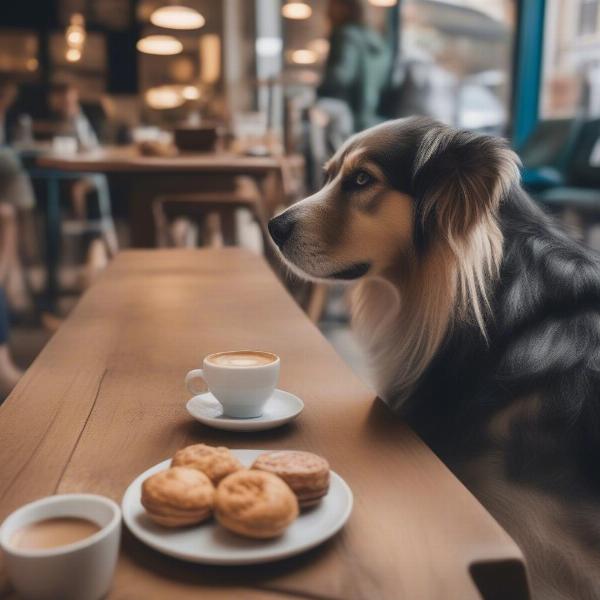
[[459, 178]]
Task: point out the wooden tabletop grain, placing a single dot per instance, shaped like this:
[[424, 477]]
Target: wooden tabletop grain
[[105, 400]]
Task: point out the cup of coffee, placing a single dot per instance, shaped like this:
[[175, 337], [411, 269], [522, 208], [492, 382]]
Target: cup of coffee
[[63, 546], [242, 380]]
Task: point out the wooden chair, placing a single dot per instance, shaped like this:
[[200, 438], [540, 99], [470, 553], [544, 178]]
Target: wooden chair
[[213, 211]]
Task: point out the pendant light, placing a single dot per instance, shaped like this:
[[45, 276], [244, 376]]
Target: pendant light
[[296, 9], [303, 56], [177, 17], [163, 45]]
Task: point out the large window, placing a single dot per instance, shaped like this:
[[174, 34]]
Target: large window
[[456, 61], [571, 63]]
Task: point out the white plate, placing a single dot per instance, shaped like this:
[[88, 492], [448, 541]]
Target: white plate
[[280, 408], [209, 543]]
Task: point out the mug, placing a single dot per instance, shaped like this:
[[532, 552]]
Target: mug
[[241, 386], [82, 570]]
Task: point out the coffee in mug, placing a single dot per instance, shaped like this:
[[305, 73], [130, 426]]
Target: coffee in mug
[[64, 546], [241, 380], [50, 533]]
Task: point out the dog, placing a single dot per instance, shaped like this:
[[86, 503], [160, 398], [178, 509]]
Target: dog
[[481, 319]]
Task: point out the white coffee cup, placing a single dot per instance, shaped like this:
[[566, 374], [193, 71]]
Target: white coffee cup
[[241, 380], [79, 571]]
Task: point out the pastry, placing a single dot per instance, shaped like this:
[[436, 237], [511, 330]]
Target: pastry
[[307, 474], [178, 496], [215, 462], [255, 504]]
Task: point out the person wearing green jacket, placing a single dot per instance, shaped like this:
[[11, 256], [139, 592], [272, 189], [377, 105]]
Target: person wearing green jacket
[[357, 67]]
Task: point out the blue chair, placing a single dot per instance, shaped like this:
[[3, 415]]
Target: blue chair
[[546, 154], [577, 199]]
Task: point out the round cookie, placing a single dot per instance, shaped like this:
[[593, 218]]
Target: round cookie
[[255, 504], [307, 474], [215, 462], [178, 496]]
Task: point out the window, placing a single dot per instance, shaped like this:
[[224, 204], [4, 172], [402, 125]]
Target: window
[[588, 17], [456, 61], [571, 60]]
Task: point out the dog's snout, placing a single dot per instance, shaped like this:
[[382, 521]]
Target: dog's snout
[[281, 228]]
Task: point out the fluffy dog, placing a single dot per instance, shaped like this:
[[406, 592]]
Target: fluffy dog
[[482, 322]]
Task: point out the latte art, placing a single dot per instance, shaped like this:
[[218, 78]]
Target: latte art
[[242, 359]]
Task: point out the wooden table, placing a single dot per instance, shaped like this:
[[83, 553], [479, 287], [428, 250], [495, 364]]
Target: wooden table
[[105, 400], [147, 177]]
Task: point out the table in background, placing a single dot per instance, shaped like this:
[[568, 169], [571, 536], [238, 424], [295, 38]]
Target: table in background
[[147, 177], [105, 400]]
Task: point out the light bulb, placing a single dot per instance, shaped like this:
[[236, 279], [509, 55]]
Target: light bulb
[[73, 54], [303, 57], [164, 96], [296, 10], [177, 17], [164, 45]]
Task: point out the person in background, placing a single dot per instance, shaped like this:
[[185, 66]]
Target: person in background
[[16, 196], [66, 111], [356, 69], [70, 120], [16, 203]]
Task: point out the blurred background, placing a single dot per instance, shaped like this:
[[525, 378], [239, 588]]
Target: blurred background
[[136, 123]]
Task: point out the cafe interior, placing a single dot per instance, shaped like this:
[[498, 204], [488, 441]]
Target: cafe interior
[[145, 148]]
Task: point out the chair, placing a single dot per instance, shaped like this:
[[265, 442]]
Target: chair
[[213, 211], [547, 152], [577, 200], [102, 223]]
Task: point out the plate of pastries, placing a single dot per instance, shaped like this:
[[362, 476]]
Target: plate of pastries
[[216, 505]]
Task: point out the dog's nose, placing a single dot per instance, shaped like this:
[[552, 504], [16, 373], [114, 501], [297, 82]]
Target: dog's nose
[[281, 228]]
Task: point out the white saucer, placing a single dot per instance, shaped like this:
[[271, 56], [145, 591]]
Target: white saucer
[[209, 543], [280, 408]]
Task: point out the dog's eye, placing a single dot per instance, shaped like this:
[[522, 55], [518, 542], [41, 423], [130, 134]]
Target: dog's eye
[[362, 178]]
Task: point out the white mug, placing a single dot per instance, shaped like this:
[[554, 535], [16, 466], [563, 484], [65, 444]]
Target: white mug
[[79, 571], [241, 386]]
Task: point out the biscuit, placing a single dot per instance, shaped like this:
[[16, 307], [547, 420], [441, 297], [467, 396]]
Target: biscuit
[[178, 496], [307, 474], [215, 462], [255, 504]]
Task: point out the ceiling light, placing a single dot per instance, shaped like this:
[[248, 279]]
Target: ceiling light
[[164, 45], [164, 96], [190, 92], [177, 17], [303, 57], [383, 3], [295, 9], [75, 37], [73, 54]]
